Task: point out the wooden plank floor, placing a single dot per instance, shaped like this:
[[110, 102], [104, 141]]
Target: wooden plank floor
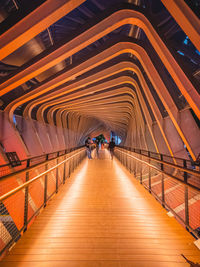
[[102, 217]]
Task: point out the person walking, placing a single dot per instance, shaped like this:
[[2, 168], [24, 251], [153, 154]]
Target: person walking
[[88, 147], [111, 147], [97, 147]]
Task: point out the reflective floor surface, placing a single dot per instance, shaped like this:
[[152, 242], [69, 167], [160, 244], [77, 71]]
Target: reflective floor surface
[[103, 217]]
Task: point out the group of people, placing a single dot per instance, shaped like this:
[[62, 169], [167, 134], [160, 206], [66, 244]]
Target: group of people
[[89, 144]]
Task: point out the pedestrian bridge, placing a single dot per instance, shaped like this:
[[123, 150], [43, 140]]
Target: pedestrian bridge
[[100, 214], [77, 70]]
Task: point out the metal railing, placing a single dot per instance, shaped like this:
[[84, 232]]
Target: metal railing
[[175, 186], [6, 169], [24, 193]]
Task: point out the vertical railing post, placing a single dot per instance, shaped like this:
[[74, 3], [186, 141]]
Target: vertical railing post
[[45, 183], [162, 181], [26, 201], [186, 195], [141, 172], [57, 161], [128, 161], [77, 160], [64, 170], [69, 165], [74, 161], [131, 162], [149, 172], [71, 162], [135, 168]]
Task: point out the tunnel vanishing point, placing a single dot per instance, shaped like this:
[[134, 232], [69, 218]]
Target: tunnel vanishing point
[[128, 70]]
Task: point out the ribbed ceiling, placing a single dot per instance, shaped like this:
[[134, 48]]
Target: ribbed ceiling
[[93, 58]]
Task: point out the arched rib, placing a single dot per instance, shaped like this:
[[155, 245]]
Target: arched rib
[[186, 19], [153, 75], [104, 27], [34, 23]]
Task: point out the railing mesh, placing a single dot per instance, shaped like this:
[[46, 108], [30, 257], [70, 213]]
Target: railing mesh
[[18, 209], [175, 187]]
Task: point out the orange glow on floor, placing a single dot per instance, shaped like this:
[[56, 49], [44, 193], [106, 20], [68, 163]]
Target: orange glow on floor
[[103, 217]]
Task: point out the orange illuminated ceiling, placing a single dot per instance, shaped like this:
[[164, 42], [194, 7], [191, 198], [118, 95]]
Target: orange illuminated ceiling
[[117, 64]]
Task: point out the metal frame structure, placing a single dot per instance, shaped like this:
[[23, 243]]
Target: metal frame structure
[[161, 176], [52, 174]]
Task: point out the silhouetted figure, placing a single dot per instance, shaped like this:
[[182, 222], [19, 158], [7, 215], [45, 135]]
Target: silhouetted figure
[[111, 147], [88, 145], [97, 147]]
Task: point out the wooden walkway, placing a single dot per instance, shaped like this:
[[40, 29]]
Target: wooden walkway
[[102, 217]]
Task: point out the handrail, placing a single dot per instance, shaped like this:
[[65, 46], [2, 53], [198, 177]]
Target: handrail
[[45, 155], [197, 173], [37, 192], [46, 158], [34, 166], [185, 198], [12, 192], [31, 158], [161, 171]]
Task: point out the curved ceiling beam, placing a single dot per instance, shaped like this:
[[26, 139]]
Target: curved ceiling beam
[[121, 118], [87, 100], [147, 64], [100, 75], [85, 93], [110, 93], [186, 19], [106, 73], [63, 113], [34, 23], [116, 127], [103, 86], [68, 115], [171, 110], [157, 114], [105, 117], [152, 74], [77, 127], [122, 104], [75, 86], [111, 71], [117, 49], [152, 103], [104, 106], [117, 81], [101, 29]]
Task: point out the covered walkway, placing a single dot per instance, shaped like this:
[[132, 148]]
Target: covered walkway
[[103, 217]]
